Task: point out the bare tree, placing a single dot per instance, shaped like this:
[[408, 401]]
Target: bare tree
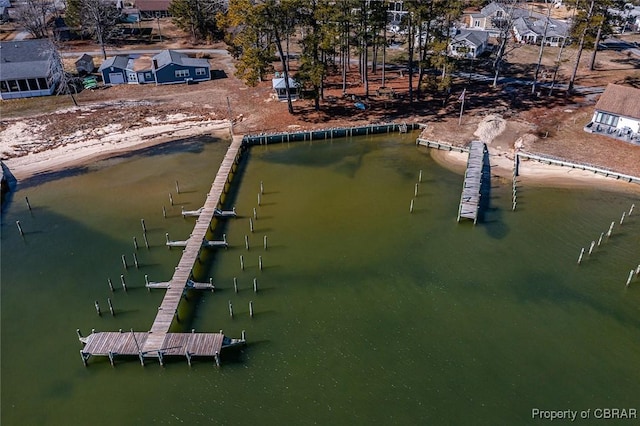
[[58, 77], [505, 24], [100, 18], [33, 16], [583, 25]]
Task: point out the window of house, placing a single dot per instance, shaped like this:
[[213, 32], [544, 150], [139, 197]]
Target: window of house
[[201, 71], [147, 76], [42, 82], [498, 14], [33, 84], [13, 86], [476, 23], [4, 87], [182, 73], [608, 119], [23, 85]]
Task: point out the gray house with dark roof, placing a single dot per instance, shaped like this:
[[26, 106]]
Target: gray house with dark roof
[[170, 67], [532, 31], [25, 69], [468, 43]]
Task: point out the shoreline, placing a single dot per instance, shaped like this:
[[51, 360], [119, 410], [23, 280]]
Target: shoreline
[[535, 173], [88, 150]]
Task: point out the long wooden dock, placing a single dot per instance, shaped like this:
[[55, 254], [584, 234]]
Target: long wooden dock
[[470, 198], [158, 342]]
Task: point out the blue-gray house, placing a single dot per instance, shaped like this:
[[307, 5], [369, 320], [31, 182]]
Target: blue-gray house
[[170, 67], [25, 69], [122, 69]]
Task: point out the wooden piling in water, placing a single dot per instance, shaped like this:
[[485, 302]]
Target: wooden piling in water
[[124, 262], [593, 243], [144, 227], [622, 218], [19, 228], [255, 214], [581, 254], [600, 239], [110, 306], [170, 199], [255, 285], [241, 262], [251, 309], [164, 212], [97, 308], [110, 284], [411, 207], [261, 187], [415, 191], [420, 176], [135, 260], [28, 204], [630, 277], [631, 209], [146, 242], [230, 309], [124, 285], [610, 229], [246, 242], [135, 243], [235, 284], [251, 224], [260, 262], [177, 188], [265, 242], [259, 198]]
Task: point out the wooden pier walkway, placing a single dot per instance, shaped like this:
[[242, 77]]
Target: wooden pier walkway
[[158, 341], [470, 198]]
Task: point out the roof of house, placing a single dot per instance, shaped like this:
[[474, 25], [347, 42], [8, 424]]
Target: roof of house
[[118, 61], [278, 83], [24, 59], [167, 57], [152, 5], [474, 37], [620, 100], [84, 58]]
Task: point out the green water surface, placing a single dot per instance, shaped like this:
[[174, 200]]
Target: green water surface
[[365, 314]]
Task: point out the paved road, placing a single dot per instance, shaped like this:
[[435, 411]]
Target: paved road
[[112, 52]]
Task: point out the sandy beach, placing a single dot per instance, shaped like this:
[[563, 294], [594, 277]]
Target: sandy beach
[[27, 151]]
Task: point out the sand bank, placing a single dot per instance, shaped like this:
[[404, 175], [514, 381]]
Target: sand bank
[[81, 149]]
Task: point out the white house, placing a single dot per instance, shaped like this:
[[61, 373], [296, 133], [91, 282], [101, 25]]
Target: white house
[[617, 113], [532, 30], [468, 43]]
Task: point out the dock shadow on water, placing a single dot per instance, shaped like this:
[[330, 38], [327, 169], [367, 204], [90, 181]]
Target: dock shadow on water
[[490, 215]]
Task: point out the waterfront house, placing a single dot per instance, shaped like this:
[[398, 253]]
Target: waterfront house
[[117, 70], [170, 67], [25, 69], [617, 113], [530, 30]]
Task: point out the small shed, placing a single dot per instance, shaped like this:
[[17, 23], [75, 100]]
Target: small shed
[[280, 88], [84, 64]]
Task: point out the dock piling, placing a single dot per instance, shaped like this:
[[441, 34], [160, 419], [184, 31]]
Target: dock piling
[[230, 309], [251, 224], [177, 188], [622, 218], [164, 212], [19, 228], [235, 284], [255, 285], [241, 262], [124, 262], [260, 262], [124, 285], [631, 209], [110, 307], [135, 261], [630, 277], [581, 254], [144, 227], [259, 198], [415, 191], [28, 204], [78, 333], [146, 242], [97, 308], [600, 239], [420, 176], [610, 229], [265, 242], [110, 284], [411, 207], [593, 243], [255, 214], [251, 309], [170, 199], [261, 187], [135, 243], [246, 242]]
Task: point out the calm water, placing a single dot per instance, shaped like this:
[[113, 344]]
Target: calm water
[[366, 314]]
